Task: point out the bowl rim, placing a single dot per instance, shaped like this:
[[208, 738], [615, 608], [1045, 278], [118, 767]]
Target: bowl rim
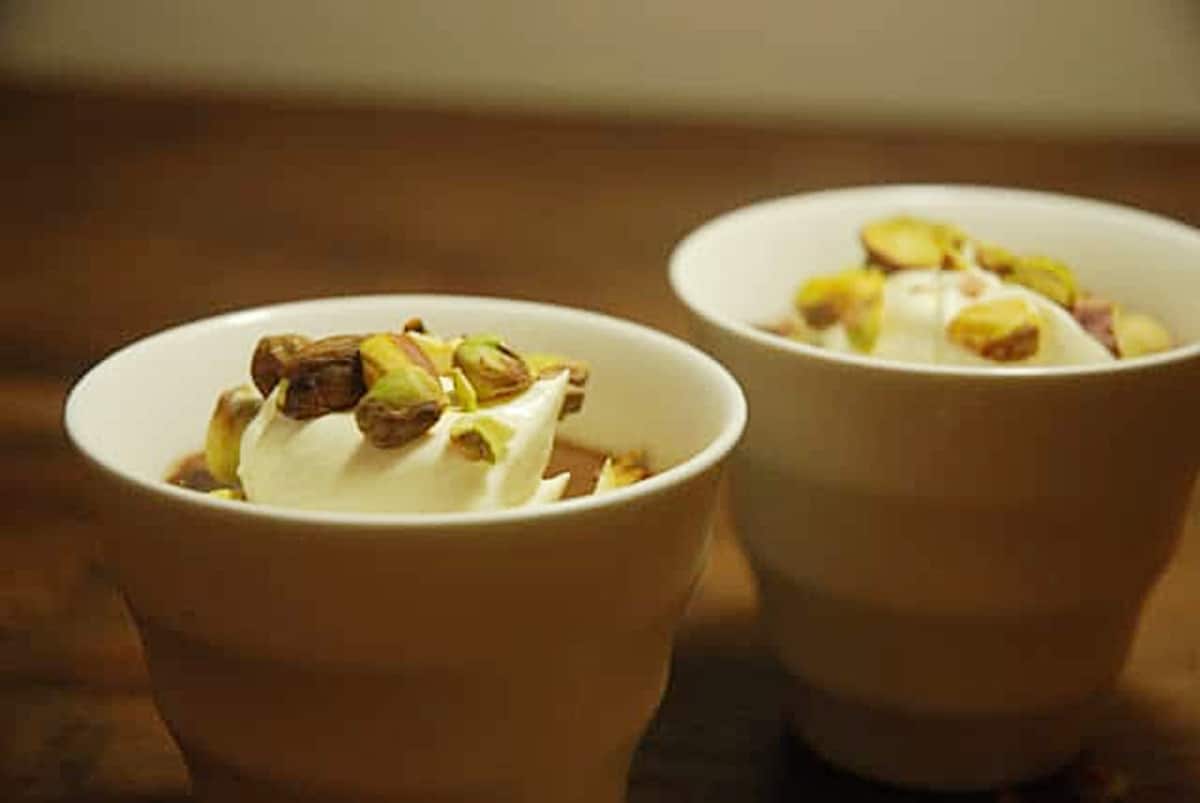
[[712, 454], [1159, 225]]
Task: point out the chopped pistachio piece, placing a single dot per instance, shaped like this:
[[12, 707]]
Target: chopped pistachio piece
[[415, 324], [992, 257], [400, 407], [1002, 330], [1047, 276], [481, 437], [223, 444], [905, 242], [464, 392], [324, 376], [863, 323], [271, 356], [954, 260], [281, 390], [1138, 334], [795, 328], [494, 370], [385, 352], [853, 297], [572, 402], [439, 352], [621, 470], [232, 494], [544, 365], [1097, 316]]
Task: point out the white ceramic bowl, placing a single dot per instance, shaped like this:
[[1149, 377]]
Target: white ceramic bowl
[[952, 560], [513, 656]]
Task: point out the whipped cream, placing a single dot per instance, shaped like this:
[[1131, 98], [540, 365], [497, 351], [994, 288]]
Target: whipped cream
[[325, 463], [919, 303]]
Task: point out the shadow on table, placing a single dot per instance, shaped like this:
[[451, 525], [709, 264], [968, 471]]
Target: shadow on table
[[720, 736]]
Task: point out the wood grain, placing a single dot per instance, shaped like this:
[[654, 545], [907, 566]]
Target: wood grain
[[125, 212]]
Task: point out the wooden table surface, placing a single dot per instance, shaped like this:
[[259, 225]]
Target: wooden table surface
[[125, 213]]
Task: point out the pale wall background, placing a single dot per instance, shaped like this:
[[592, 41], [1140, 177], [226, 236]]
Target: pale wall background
[[1107, 66]]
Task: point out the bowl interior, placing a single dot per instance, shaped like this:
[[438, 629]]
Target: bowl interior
[[744, 267], [146, 406]]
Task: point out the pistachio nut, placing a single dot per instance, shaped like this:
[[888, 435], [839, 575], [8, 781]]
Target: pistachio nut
[[906, 242], [271, 357], [1046, 276], [464, 392], [281, 390], [223, 444], [543, 366], [572, 402], [1138, 334], [324, 376], [400, 407], [853, 297], [621, 470], [481, 437], [233, 494], [414, 324], [954, 260], [1002, 330], [387, 351], [439, 352], [992, 257], [1097, 316], [793, 328], [494, 370]]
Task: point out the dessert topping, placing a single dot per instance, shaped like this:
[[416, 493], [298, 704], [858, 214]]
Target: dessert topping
[[401, 406], [1138, 334], [852, 297], [481, 437], [271, 357], [323, 377], [1047, 276], [388, 351], [621, 470], [222, 445], [493, 369], [1003, 330], [906, 242]]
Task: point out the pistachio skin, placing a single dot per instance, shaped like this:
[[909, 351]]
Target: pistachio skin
[[481, 437], [572, 402], [493, 369], [323, 377], [270, 359], [235, 409], [1002, 330], [402, 405], [1097, 317]]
